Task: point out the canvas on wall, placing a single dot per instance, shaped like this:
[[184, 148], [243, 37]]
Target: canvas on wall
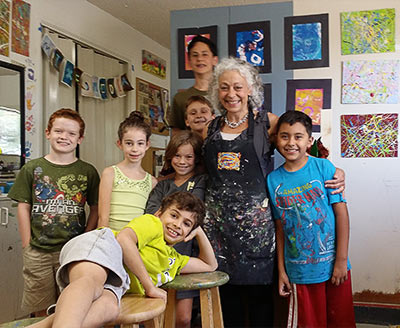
[[370, 82], [372, 135], [4, 27], [369, 31], [154, 64], [20, 27]]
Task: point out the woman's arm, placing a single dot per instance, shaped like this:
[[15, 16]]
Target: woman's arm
[[337, 183], [273, 120], [105, 189]]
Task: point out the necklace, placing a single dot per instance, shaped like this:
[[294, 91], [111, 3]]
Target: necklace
[[234, 125]]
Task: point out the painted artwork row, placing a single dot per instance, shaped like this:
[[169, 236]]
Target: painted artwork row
[[90, 85], [19, 13]]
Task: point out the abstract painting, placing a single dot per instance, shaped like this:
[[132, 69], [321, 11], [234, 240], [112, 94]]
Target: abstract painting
[[372, 135], [310, 102], [4, 27], [368, 31], [154, 64], [370, 82], [307, 42], [20, 27]]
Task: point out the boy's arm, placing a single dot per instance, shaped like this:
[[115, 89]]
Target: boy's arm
[[128, 240], [92, 218], [337, 183], [206, 260], [24, 223], [105, 189], [342, 243], [284, 286]]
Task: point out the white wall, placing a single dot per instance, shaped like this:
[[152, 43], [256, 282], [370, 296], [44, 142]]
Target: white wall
[[372, 184], [83, 21]]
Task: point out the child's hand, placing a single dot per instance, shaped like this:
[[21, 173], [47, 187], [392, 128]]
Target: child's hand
[[339, 274], [193, 234], [156, 292], [284, 285]]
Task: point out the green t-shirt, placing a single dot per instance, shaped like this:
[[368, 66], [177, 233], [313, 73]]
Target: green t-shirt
[[57, 194], [177, 117], [162, 262]]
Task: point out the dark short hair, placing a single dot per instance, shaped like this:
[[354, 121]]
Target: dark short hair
[[201, 99], [294, 116], [199, 38], [136, 120], [185, 201], [69, 114]]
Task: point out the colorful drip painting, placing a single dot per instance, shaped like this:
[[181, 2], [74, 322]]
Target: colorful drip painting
[[4, 27], [310, 102], [370, 82], [372, 135], [154, 64], [368, 31], [307, 41], [250, 46], [20, 27]]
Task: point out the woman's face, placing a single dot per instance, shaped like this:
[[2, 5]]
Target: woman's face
[[233, 91]]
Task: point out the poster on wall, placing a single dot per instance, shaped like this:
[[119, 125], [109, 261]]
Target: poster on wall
[[372, 135], [370, 82], [20, 27], [309, 97], [306, 41], [153, 64], [185, 36], [251, 42], [153, 101], [369, 31], [4, 27]]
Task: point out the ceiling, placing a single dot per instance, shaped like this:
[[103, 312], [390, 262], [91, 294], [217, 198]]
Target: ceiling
[[151, 17]]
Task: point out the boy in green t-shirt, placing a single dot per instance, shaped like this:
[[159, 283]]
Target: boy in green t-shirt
[[91, 264], [51, 192]]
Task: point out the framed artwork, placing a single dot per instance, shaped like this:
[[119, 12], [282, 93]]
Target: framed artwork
[[309, 97], [154, 64], [153, 101], [4, 27], [251, 42], [185, 35], [306, 41]]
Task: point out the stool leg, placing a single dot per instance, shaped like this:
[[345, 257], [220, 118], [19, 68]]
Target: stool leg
[[153, 323], [217, 310], [206, 308], [169, 320]]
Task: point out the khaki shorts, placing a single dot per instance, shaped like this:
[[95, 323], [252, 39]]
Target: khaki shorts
[[39, 271]]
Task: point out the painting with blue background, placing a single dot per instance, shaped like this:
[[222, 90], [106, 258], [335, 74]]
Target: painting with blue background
[[307, 43], [250, 46]]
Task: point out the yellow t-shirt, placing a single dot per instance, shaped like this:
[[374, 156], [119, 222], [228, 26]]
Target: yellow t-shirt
[[162, 262]]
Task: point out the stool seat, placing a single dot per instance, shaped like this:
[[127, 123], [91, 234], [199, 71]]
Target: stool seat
[[195, 281]]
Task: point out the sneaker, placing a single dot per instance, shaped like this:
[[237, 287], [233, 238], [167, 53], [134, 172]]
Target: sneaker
[[51, 309]]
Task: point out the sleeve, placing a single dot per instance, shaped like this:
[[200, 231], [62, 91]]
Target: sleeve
[[21, 191], [180, 260], [328, 170], [200, 186], [173, 114], [147, 228], [93, 186], [155, 198]]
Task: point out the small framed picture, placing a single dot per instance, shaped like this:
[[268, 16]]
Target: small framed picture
[[185, 36], [309, 97], [251, 42], [306, 41]]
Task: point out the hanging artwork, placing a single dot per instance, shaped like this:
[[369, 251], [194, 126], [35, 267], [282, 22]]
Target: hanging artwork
[[368, 31], [185, 35], [67, 73], [370, 82], [306, 41], [96, 89], [20, 27], [153, 102], [309, 97], [251, 42], [86, 85], [372, 135], [57, 59], [154, 64], [4, 27]]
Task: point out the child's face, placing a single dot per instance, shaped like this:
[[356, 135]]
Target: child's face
[[201, 58], [184, 160], [64, 135], [134, 145], [293, 142], [197, 116], [177, 224]]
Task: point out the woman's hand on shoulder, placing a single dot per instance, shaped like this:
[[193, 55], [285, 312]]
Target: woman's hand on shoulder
[[273, 121]]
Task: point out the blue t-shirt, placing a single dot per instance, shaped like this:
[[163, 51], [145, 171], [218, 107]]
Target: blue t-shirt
[[304, 207]]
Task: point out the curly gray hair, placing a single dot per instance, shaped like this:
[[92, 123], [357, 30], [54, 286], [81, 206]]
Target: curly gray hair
[[247, 71]]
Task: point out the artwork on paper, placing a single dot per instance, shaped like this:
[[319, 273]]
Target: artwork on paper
[[118, 87], [47, 45], [96, 89], [372, 135], [369, 31], [154, 64], [67, 73], [251, 42], [126, 85], [306, 41], [103, 88], [310, 102], [370, 82], [20, 27], [111, 88], [57, 59], [4, 27], [86, 85]]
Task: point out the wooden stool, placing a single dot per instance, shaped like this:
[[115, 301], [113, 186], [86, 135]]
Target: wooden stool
[[20, 323], [210, 304], [137, 309]]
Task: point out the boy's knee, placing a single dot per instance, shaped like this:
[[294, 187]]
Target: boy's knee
[[184, 320]]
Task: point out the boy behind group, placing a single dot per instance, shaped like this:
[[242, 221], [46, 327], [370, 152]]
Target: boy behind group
[[51, 192], [312, 232]]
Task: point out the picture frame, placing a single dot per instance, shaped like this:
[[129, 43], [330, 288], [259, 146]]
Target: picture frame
[[252, 43], [185, 35], [309, 97], [153, 101], [267, 97], [306, 41]]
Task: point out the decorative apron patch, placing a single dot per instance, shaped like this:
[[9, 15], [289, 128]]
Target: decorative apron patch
[[229, 161]]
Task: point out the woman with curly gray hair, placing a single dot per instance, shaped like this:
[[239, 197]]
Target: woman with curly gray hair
[[238, 220]]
